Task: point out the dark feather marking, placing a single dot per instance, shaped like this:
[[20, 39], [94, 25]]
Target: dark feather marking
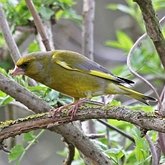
[[124, 80], [85, 64]]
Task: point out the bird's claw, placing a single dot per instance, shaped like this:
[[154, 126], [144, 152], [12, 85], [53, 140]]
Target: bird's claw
[[72, 110]]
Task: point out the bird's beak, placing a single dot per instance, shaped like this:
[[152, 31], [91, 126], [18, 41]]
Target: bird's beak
[[17, 71]]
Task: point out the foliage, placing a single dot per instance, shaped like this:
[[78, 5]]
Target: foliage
[[145, 59], [146, 62], [18, 151], [18, 15]]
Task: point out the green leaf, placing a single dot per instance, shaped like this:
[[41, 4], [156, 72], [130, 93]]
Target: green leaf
[[45, 12], [33, 47], [29, 136], [124, 42], [141, 148], [68, 2], [69, 13], [5, 100], [142, 107], [115, 103], [16, 152], [120, 7], [114, 44], [64, 99], [116, 153], [59, 14], [159, 4], [52, 97], [40, 90], [3, 71], [2, 94]]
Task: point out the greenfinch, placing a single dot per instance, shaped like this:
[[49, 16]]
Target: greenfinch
[[74, 75]]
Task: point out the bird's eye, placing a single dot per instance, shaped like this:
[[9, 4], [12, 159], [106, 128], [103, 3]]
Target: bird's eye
[[24, 65]]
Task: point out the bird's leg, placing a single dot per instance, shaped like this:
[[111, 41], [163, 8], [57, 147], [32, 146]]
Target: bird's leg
[[73, 108], [72, 111], [55, 111]]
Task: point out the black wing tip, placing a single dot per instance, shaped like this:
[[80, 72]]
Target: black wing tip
[[148, 99], [124, 80], [151, 99]]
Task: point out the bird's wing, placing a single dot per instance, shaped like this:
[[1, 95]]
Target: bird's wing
[[80, 63]]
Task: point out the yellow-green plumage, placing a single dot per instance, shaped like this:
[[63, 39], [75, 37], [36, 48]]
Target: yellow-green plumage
[[75, 75]]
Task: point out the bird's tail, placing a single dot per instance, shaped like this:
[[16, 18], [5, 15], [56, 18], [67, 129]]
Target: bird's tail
[[120, 89], [137, 95]]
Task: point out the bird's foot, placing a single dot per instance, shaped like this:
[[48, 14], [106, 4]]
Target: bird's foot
[[55, 111], [72, 110]]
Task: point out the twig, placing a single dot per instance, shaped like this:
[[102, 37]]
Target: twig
[[117, 130], [137, 43], [71, 152], [130, 54], [3, 148], [162, 98], [155, 160], [153, 27], [87, 45], [95, 136], [88, 19], [161, 136], [26, 29], [9, 115], [15, 54], [30, 144], [38, 24]]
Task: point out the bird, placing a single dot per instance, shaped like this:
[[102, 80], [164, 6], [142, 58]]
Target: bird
[[75, 75]]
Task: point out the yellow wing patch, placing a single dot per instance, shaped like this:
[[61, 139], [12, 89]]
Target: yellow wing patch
[[65, 65], [101, 74], [91, 72]]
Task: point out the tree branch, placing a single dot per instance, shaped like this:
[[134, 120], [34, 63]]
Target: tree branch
[[15, 54], [87, 31], [153, 27], [144, 120], [38, 24], [71, 153]]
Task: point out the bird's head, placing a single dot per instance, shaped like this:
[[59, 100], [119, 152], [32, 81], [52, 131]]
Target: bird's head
[[30, 65]]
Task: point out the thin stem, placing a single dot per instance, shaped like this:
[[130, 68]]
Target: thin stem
[[153, 27], [88, 45], [155, 160], [88, 28], [71, 152], [30, 144], [117, 130], [39, 24], [130, 54], [15, 54]]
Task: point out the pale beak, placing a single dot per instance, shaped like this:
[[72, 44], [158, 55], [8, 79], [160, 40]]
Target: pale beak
[[17, 71]]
